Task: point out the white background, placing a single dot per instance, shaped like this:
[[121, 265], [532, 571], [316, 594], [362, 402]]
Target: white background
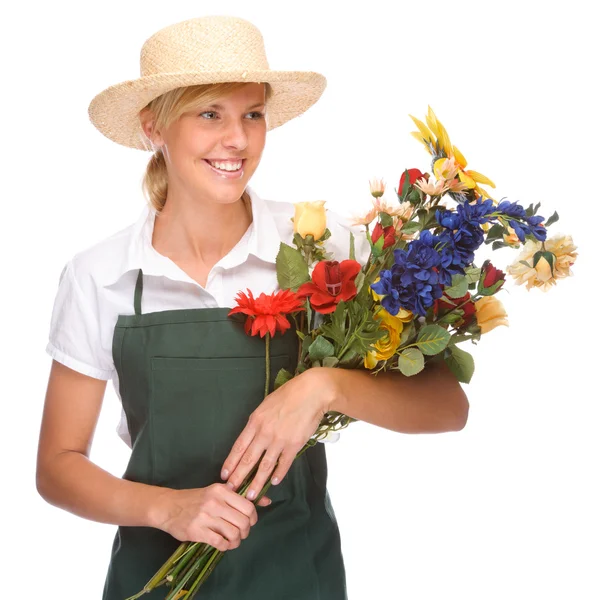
[[507, 507]]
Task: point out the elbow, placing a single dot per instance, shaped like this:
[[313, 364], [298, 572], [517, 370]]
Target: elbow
[[461, 412]]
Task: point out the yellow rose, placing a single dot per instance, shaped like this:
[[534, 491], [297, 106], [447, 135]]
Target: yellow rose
[[490, 313], [310, 219], [386, 346]]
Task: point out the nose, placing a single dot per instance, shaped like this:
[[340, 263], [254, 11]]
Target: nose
[[234, 135]]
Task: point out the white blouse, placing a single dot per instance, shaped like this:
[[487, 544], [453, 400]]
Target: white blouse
[[97, 284]]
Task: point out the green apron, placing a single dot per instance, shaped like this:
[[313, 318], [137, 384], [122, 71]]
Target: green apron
[[188, 380]]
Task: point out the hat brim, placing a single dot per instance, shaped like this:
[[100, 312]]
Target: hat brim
[[114, 111]]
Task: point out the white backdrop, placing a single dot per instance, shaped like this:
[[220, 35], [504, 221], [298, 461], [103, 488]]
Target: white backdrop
[[507, 507]]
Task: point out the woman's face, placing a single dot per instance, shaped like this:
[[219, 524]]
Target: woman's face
[[231, 129]]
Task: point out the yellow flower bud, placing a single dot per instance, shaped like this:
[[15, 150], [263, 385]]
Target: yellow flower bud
[[512, 239], [386, 346], [543, 270], [310, 218], [490, 313]]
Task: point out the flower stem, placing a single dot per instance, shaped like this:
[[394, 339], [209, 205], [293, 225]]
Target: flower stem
[[267, 364]]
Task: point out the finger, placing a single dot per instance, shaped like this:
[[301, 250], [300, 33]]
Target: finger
[[239, 447], [264, 501], [237, 519], [285, 462], [226, 530], [248, 460], [265, 468]]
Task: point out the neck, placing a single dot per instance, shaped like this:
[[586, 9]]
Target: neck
[[199, 232]]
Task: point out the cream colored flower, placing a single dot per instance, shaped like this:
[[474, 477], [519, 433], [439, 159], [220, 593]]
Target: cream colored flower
[[402, 211], [541, 276], [490, 313], [432, 188], [377, 187]]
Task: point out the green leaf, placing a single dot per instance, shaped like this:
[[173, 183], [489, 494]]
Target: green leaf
[[282, 377], [432, 339], [551, 219], [490, 291], [292, 270], [495, 232], [524, 262], [359, 281], [410, 361], [499, 244], [459, 287], [352, 255], [406, 186], [386, 220], [320, 348], [452, 317], [411, 227], [461, 363], [408, 331], [330, 361], [326, 235], [473, 274]]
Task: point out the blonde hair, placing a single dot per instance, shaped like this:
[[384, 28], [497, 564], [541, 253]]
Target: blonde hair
[[166, 109]]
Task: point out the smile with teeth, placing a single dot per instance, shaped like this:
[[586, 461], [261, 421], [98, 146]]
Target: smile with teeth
[[226, 166]]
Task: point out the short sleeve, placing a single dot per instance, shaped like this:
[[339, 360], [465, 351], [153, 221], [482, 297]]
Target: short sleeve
[[75, 333]]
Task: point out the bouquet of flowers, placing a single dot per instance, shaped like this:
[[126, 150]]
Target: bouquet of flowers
[[419, 295]]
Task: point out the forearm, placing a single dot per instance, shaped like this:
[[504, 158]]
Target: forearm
[[76, 484], [431, 401]]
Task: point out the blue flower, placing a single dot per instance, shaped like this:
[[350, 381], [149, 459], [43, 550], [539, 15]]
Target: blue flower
[[412, 282]]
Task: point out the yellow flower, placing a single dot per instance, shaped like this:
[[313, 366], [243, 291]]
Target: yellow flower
[[437, 142], [490, 313], [563, 249], [512, 239], [310, 218], [386, 346]]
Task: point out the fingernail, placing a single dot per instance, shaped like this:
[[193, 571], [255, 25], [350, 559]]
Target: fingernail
[[224, 474], [251, 495], [230, 484], [275, 480]]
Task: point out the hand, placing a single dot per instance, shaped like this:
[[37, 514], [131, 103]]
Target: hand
[[285, 420], [214, 514]]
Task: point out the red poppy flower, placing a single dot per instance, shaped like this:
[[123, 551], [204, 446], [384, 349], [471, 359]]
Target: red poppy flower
[[332, 282], [413, 175], [389, 235], [267, 313]]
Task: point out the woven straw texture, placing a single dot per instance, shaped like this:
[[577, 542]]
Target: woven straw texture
[[203, 50]]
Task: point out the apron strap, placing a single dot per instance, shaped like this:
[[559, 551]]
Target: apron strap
[[137, 295]]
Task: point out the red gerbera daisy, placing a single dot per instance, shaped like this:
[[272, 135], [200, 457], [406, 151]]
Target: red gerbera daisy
[[266, 314]]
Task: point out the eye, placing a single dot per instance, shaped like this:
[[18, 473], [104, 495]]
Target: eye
[[259, 115]]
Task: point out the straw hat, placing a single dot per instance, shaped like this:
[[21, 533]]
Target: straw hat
[[208, 49]]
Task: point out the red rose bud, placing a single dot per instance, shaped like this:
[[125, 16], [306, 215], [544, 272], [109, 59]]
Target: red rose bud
[[445, 304], [413, 175], [491, 275], [389, 235]]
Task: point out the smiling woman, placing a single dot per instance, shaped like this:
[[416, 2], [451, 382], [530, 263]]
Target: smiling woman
[[187, 105]]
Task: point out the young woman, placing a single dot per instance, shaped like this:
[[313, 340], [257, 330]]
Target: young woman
[[147, 308]]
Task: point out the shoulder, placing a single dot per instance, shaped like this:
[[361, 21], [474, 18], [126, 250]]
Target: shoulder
[[103, 261]]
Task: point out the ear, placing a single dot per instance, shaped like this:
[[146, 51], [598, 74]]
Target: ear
[[147, 123]]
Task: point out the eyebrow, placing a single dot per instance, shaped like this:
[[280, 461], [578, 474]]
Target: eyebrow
[[219, 107]]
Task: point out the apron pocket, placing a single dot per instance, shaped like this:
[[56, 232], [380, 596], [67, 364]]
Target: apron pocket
[[198, 408]]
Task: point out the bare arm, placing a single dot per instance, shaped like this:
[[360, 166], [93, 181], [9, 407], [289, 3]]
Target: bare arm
[[68, 479], [65, 475]]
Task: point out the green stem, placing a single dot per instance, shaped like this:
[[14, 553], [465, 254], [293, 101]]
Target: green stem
[[267, 364]]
